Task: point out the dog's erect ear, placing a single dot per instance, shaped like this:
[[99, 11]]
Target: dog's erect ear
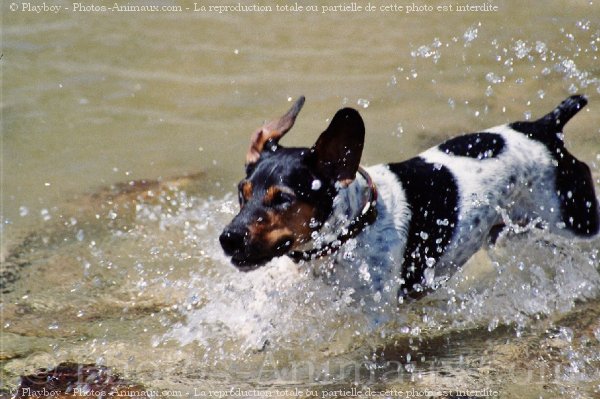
[[338, 150], [272, 131]]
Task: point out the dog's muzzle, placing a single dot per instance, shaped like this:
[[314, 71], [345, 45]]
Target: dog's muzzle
[[245, 255]]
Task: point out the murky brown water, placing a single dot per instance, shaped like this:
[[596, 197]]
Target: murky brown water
[[131, 276]]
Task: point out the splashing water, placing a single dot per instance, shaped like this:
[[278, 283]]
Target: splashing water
[[198, 312], [283, 305], [515, 55]]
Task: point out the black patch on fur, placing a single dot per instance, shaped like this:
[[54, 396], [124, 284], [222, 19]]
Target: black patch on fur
[[475, 145], [432, 195], [575, 189], [573, 182]]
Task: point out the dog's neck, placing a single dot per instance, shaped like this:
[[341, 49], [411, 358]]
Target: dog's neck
[[353, 209]]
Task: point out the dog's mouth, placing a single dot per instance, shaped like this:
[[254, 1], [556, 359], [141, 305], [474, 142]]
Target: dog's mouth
[[248, 264], [247, 261]]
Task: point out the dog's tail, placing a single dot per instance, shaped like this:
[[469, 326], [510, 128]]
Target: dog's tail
[[564, 112], [546, 128], [574, 186]]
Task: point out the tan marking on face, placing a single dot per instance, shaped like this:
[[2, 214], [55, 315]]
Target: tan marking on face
[[247, 190], [293, 223], [270, 194], [298, 219]]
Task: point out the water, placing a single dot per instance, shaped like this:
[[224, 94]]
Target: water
[[150, 294], [130, 275]]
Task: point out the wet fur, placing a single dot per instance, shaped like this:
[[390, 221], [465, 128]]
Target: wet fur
[[434, 211]]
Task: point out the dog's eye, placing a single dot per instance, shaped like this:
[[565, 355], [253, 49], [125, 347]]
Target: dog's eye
[[281, 199]]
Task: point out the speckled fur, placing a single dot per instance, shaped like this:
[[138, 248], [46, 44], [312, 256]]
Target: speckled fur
[[517, 184], [434, 211]]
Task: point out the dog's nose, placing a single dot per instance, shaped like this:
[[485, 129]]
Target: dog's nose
[[232, 240]]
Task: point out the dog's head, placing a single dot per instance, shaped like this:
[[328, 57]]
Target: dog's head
[[288, 192]]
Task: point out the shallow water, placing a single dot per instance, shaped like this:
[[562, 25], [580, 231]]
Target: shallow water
[[100, 269]]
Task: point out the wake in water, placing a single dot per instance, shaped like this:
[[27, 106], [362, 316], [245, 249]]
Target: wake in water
[[284, 307], [144, 276]]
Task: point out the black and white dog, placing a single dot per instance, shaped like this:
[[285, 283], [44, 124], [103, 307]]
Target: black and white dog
[[399, 229]]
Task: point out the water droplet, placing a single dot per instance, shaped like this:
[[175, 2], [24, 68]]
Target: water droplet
[[23, 211], [573, 89], [470, 34], [566, 334], [521, 49], [377, 297], [597, 333], [493, 78], [540, 47], [584, 24], [45, 215], [399, 130], [363, 102], [493, 324], [364, 272], [53, 326], [429, 273], [423, 51]]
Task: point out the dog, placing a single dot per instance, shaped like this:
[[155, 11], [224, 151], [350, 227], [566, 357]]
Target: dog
[[398, 230]]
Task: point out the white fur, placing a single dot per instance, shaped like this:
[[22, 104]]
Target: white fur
[[371, 263], [371, 271], [485, 189]]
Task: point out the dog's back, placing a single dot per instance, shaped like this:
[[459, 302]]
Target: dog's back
[[422, 218], [462, 190]]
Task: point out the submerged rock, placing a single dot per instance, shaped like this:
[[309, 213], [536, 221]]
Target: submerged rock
[[81, 380]]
